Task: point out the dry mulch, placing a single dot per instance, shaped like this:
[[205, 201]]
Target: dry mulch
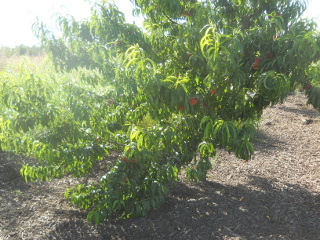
[[276, 195]]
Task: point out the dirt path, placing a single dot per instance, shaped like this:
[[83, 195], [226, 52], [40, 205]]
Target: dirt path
[[274, 196]]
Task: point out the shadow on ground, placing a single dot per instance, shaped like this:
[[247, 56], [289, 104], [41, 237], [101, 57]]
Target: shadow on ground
[[304, 112], [266, 143], [213, 211]]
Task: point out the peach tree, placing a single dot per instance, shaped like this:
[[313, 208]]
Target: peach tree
[[194, 78]]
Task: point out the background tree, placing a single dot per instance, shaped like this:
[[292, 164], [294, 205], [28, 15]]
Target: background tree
[[193, 79]]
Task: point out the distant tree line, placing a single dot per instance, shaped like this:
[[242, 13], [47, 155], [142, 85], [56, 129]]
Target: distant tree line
[[21, 50]]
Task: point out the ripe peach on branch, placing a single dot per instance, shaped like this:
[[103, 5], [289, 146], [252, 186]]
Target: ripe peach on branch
[[193, 100], [213, 91], [256, 63]]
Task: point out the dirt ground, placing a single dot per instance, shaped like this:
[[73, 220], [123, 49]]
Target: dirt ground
[[276, 195]]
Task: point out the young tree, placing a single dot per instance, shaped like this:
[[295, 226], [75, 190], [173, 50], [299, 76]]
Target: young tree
[[201, 71]]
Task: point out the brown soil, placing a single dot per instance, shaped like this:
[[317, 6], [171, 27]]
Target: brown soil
[[276, 195]]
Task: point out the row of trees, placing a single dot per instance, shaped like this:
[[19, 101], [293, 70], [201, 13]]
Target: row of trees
[[21, 50], [201, 71]]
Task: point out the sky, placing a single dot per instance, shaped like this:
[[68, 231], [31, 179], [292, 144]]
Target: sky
[[17, 16]]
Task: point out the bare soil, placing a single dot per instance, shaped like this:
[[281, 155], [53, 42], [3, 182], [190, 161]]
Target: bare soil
[[276, 195]]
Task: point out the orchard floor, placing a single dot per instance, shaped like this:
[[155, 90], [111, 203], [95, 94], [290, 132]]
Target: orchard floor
[[276, 195]]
